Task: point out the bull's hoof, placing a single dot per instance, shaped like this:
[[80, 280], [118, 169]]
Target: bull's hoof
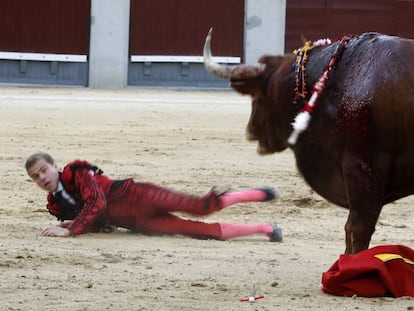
[[271, 193], [276, 235]]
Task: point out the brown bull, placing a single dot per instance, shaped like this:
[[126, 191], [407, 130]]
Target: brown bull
[[358, 149]]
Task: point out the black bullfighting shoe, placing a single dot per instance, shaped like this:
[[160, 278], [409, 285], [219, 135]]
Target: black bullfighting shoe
[[270, 192], [276, 235]]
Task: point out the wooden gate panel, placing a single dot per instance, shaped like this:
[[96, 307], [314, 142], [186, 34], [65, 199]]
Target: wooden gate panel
[[316, 19], [360, 5], [403, 21], [356, 16], [45, 26], [312, 13], [178, 27]]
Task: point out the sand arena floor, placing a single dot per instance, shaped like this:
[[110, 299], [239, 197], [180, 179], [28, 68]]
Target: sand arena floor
[[188, 141]]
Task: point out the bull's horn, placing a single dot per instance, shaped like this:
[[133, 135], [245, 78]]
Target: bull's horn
[[235, 72]]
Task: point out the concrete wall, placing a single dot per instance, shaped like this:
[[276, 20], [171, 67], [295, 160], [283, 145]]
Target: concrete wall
[[264, 28], [109, 44], [109, 41]]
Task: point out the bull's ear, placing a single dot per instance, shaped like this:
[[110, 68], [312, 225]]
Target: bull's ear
[[246, 86]]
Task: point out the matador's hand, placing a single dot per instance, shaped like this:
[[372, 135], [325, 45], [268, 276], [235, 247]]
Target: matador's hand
[[55, 231], [64, 224]]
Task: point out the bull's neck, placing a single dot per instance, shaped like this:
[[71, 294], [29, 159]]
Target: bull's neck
[[304, 116]]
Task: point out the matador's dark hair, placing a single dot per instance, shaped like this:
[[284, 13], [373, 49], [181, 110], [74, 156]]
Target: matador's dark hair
[[38, 156]]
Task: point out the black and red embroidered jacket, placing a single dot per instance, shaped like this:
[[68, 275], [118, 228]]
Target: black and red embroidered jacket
[[88, 187], [100, 201]]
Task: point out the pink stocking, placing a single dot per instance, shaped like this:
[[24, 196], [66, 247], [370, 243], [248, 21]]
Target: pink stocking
[[229, 231], [251, 195]]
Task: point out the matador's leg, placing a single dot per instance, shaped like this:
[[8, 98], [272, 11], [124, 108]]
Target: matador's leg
[[171, 224], [165, 200]]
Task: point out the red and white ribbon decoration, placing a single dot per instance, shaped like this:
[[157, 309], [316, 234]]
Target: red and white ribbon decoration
[[303, 118]]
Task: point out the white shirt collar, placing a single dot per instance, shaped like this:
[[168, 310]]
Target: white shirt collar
[[59, 187]]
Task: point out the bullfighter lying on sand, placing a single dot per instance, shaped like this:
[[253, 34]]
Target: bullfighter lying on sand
[[85, 200]]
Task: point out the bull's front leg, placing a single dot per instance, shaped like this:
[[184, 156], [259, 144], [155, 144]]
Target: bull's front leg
[[359, 229], [364, 201]]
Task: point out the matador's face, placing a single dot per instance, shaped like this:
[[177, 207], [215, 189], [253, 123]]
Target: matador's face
[[45, 175]]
